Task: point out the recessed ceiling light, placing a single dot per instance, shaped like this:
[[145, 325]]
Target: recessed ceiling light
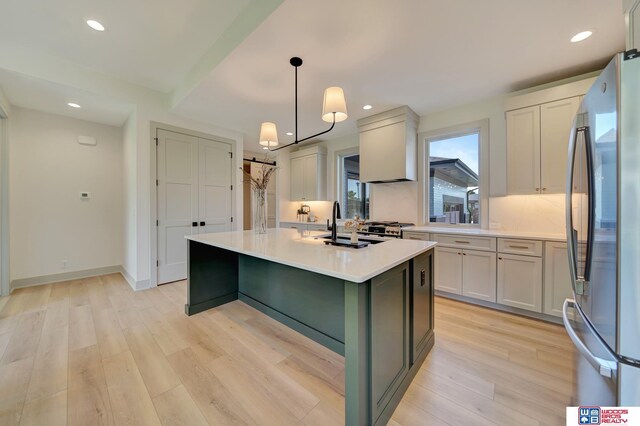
[[95, 25], [265, 147], [289, 134], [74, 105], [367, 107], [581, 36]]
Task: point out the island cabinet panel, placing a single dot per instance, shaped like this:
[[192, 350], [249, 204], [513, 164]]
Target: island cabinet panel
[[389, 335], [212, 277], [421, 304], [310, 303]]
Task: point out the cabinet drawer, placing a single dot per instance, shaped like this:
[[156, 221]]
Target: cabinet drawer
[[423, 236], [465, 242], [526, 247]]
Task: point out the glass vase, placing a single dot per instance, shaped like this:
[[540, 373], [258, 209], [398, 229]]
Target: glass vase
[[260, 211]]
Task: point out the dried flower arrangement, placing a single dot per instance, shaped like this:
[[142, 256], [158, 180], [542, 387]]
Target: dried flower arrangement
[[260, 182]]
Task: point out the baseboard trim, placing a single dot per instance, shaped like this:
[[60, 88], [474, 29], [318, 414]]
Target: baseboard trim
[[498, 307], [66, 276]]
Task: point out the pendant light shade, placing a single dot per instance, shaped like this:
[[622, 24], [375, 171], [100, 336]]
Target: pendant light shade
[[268, 135], [334, 103]]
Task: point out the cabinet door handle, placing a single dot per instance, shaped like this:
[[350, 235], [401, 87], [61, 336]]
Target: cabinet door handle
[[459, 253], [538, 189], [202, 224], [499, 258], [464, 254], [423, 278], [519, 247], [461, 242], [194, 223]]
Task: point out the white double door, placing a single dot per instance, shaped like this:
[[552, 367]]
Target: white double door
[[194, 196]]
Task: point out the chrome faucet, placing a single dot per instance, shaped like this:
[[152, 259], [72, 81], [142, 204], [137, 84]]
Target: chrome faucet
[[335, 215]]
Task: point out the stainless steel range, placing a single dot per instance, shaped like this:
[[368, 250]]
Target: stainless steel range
[[390, 229]]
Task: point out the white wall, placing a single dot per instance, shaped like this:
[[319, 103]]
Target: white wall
[[400, 200], [49, 222], [4, 195], [129, 193]]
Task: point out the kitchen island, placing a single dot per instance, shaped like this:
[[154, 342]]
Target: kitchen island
[[373, 305]]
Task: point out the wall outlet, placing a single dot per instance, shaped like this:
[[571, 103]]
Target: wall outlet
[[64, 264], [495, 225], [85, 195]]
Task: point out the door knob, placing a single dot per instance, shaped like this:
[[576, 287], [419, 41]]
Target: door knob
[[201, 223], [194, 223]]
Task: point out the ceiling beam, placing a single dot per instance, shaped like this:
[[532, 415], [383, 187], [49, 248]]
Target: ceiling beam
[[244, 24]]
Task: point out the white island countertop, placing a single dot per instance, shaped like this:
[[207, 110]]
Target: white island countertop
[[300, 249]]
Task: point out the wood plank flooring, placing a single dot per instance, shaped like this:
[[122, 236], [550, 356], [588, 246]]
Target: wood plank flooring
[[95, 352]]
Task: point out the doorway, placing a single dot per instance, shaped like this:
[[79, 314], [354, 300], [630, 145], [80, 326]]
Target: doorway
[[194, 196], [256, 168]]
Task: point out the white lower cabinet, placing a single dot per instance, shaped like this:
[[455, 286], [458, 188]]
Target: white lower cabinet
[[448, 271], [557, 278], [520, 281], [479, 275], [470, 273], [422, 236]]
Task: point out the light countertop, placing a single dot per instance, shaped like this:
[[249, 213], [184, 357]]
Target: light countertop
[[487, 232], [300, 249]]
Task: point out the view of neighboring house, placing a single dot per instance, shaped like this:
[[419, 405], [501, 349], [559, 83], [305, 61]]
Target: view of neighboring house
[[453, 193]]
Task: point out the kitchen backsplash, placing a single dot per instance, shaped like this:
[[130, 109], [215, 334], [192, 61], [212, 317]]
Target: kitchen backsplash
[[321, 209], [528, 213]]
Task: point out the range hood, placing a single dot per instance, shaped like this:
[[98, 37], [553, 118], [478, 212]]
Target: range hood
[[388, 146]]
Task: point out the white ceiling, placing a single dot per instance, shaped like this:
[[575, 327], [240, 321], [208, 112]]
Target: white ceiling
[[428, 54], [152, 43], [42, 95]]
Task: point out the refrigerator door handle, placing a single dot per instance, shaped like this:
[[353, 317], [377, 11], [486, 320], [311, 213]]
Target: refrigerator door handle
[[571, 232], [604, 367]]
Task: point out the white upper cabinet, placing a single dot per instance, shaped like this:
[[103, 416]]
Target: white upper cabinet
[[632, 15], [388, 146], [537, 143], [308, 174], [523, 150], [556, 119]]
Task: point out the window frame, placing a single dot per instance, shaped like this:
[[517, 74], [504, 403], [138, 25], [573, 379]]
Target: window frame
[[481, 127], [341, 181]]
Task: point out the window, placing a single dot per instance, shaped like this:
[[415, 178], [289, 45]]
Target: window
[[454, 178], [354, 195]]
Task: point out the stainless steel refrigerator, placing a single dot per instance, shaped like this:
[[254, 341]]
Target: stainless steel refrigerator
[[603, 233]]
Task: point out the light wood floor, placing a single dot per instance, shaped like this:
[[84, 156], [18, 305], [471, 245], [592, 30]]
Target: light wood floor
[[93, 352]]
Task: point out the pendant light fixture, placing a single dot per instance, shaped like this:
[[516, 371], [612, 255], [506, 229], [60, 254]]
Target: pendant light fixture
[[334, 110]]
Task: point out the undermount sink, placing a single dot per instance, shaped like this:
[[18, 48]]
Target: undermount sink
[[345, 241]]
